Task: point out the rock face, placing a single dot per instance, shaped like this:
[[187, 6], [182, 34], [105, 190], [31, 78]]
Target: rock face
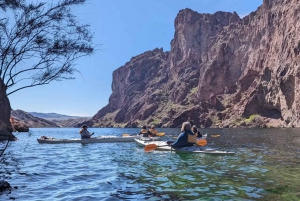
[[221, 71], [22, 121], [19, 126], [5, 126]]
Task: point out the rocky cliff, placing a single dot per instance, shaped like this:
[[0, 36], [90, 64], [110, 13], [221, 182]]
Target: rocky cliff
[[221, 71]]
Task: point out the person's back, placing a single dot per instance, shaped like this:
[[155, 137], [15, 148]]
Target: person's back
[[186, 138], [145, 132], [153, 131]]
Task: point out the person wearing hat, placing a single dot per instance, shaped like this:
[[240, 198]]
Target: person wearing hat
[[84, 132]]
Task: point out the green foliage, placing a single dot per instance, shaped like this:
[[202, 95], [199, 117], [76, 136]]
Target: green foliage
[[45, 36], [251, 118], [238, 121], [154, 122]]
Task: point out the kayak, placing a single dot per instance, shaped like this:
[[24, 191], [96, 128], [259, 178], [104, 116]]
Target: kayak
[[163, 146], [101, 139]]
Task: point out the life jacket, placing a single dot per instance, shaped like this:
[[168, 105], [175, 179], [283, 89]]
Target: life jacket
[[144, 131], [153, 131], [192, 138]]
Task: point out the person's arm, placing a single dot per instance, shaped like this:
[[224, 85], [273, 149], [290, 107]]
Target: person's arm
[[86, 133], [180, 141], [90, 134], [199, 134]]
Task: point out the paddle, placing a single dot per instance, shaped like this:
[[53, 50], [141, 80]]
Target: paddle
[[151, 147], [215, 135], [160, 134], [124, 135]]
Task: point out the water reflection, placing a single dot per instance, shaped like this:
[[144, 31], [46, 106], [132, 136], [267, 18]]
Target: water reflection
[[265, 167]]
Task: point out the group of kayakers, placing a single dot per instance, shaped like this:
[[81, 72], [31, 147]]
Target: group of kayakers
[[152, 132], [187, 137]]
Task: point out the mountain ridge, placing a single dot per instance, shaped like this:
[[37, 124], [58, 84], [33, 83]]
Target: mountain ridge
[[54, 116], [20, 117], [22, 120]]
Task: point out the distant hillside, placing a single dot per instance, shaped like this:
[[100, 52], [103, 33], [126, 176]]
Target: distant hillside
[[70, 123], [53, 116], [30, 120]]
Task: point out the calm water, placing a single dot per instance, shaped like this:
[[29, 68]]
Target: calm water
[[265, 167]]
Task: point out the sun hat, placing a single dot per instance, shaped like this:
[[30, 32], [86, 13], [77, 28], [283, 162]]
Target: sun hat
[[84, 125]]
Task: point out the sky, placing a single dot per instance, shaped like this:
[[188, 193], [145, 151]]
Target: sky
[[122, 29]]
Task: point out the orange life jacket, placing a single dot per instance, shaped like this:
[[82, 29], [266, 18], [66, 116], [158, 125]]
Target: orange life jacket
[[144, 131], [153, 131]]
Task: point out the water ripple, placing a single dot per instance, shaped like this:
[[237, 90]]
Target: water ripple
[[262, 169]]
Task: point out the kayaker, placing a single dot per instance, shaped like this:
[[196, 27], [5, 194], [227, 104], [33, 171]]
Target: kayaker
[[153, 130], [84, 132], [145, 132], [186, 138], [196, 131]]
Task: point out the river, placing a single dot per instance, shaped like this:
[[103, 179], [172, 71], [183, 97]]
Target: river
[[265, 167]]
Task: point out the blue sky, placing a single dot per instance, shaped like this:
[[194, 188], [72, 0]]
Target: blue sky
[[123, 29]]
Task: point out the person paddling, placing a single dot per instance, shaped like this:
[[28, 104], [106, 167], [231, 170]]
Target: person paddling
[[153, 131], [84, 132], [196, 131], [145, 132], [186, 138]]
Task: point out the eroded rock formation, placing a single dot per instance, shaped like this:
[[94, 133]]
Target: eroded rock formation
[[221, 71]]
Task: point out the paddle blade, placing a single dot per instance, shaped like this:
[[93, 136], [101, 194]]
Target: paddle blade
[[160, 134], [124, 135], [150, 147], [202, 142]]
